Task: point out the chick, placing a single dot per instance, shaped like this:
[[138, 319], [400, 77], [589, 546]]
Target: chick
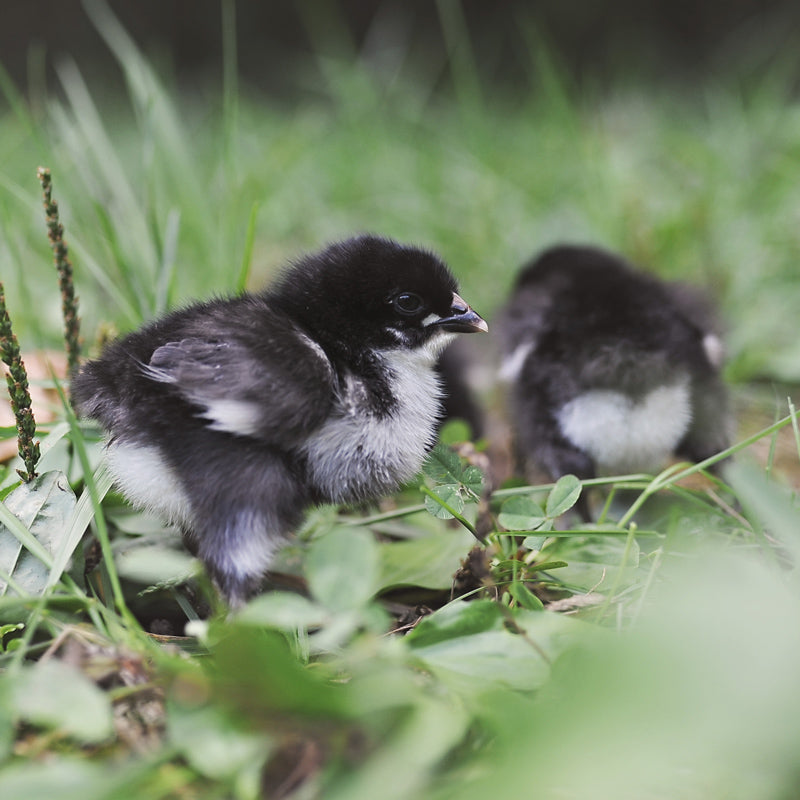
[[610, 370]]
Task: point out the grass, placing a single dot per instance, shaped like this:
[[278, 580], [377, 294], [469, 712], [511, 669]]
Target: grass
[[670, 670]]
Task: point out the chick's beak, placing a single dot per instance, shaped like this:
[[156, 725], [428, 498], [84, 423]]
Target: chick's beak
[[462, 318]]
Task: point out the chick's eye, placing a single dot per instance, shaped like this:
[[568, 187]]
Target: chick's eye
[[408, 303]]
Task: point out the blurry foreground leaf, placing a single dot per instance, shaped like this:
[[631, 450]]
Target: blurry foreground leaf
[[342, 568], [64, 778], [470, 645], [282, 610], [213, 744], [402, 765], [699, 700], [152, 564], [256, 674], [773, 506], [57, 696]]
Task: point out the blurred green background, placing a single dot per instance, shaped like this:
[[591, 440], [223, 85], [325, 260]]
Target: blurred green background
[[666, 131], [194, 148]]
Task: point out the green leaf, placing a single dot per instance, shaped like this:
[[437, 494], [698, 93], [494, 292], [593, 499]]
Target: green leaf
[[423, 738], [563, 495], [591, 549], [342, 568], [57, 696], [443, 465], [455, 620], [521, 513], [152, 563], [548, 565], [772, 505], [54, 776], [468, 645], [472, 479], [534, 542], [594, 561], [282, 610], [5, 629], [81, 515], [212, 743], [455, 484], [11, 644], [524, 596], [256, 674], [450, 494], [429, 561], [44, 507], [8, 730]]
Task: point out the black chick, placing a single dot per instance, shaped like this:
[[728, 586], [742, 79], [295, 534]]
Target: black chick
[[230, 417], [610, 370]]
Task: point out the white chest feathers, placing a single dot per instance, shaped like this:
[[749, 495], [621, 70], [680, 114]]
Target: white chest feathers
[[357, 453], [626, 435]]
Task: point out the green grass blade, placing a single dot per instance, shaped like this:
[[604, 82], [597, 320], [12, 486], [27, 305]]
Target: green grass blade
[[247, 256], [86, 509], [24, 536]]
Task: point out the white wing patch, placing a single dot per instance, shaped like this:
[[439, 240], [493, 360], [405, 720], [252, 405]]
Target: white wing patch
[[624, 435], [228, 414], [239, 417]]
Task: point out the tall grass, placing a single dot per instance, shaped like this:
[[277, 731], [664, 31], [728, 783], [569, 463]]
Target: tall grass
[[671, 672]]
